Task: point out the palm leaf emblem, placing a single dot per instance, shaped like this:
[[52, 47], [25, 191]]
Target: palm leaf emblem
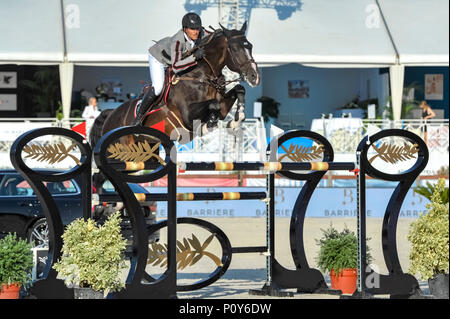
[[139, 152], [394, 153], [302, 153], [189, 252], [50, 153]]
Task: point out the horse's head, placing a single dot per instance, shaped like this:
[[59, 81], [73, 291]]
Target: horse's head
[[239, 55]]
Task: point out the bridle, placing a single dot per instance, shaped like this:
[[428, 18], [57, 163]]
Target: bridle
[[240, 66]]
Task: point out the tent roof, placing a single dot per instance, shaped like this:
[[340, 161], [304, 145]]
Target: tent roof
[[419, 29], [321, 32], [316, 32], [31, 32]]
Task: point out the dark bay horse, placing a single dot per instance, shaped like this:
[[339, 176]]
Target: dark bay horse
[[198, 95]]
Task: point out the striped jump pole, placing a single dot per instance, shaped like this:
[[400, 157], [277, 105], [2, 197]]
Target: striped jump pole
[[182, 197], [267, 166], [242, 166]]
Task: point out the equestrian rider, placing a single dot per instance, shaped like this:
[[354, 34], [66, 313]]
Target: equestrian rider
[[168, 52]]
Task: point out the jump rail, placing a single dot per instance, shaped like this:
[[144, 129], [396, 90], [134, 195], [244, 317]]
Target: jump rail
[[308, 163]]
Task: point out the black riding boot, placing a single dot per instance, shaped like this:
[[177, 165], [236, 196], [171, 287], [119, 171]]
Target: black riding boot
[[142, 108]]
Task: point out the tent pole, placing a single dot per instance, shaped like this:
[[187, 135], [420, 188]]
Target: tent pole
[[397, 75], [66, 80]]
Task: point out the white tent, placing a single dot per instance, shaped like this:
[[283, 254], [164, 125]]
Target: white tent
[[419, 33], [322, 33], [31, 32]]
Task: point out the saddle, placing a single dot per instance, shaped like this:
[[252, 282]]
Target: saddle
[[164, 92], [160, 101]]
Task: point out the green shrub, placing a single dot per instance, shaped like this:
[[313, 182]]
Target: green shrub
[[16, 261], [338, 250], [93, 255], [428, 190], [429, 236]]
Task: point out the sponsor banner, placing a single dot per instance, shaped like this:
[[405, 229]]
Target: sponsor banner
[[11, 131], [325, 203]]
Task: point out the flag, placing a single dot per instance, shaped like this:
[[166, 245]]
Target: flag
[[80, 128]]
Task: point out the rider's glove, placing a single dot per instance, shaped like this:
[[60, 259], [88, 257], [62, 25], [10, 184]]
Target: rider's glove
[[199, 53]]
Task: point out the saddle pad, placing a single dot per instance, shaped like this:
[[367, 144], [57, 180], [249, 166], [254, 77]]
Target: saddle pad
[[158, 126]]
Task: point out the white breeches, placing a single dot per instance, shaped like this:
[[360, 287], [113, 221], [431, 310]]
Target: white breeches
[[156, 74]]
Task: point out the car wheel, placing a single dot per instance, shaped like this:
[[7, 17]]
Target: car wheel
[[38, 234]]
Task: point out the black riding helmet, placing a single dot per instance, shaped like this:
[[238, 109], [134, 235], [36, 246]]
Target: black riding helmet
[[191, 20]]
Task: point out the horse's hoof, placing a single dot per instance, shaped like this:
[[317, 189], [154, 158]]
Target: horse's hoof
[[239, 117], [212, 122]]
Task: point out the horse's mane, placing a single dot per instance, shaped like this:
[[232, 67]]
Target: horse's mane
[[208, 38], [216, 34]]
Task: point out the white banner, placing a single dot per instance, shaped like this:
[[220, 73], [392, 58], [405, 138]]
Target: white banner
[[9, 132], [8, 102]]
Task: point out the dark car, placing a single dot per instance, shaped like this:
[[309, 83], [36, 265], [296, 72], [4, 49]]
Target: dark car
[[102, 210], [21, 211]]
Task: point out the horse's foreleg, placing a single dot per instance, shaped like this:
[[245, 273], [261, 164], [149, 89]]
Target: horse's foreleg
[[239, 116], [206, 113], [236, 93], [214, 114]]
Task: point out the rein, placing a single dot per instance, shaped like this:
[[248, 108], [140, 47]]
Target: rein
[[216, 81]]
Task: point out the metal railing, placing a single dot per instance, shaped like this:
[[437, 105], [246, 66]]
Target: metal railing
[[345, 140], [222, 144]]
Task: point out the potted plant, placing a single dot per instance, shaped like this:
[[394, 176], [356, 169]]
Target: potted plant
[[429, 237], [44, 89], [92, 257], [407, 104], [16, 263], [338, 255]]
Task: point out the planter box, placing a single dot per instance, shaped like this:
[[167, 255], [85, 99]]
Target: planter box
[[439, 286], [9, 291], [87, 293], [345, 281]]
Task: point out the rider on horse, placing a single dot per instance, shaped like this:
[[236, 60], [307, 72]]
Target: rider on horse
[[168, 52]]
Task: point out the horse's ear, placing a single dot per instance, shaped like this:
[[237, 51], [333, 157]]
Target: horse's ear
[[244, 27], [225, 31]]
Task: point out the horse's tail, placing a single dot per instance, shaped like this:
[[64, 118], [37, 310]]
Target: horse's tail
[[94, 136], [96, 130]]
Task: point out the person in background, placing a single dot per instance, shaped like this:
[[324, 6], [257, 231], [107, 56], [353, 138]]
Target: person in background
[[90, 112], [427, 113]]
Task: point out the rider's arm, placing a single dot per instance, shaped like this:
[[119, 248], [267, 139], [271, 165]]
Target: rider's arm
[[179, 64]]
